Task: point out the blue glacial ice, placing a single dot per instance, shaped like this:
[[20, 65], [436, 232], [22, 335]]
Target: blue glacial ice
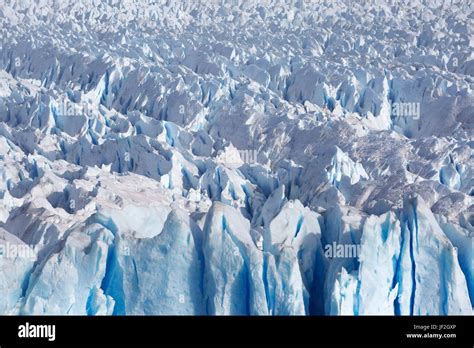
[[230, 158]]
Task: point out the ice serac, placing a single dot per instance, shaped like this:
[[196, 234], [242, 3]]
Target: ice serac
[[68, 280], [343, 299], [285, 291], [295, 232], [158, 273], [379, 263], [229, 157], [228, 186], [464, 243], [407, 266], [233, 265], [341, 236], [438, 283], [343, 167], [16, 262]]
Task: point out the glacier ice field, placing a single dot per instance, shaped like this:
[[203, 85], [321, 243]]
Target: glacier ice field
[[272, 157]]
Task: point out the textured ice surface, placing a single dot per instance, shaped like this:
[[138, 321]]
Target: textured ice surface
[[236, 157]]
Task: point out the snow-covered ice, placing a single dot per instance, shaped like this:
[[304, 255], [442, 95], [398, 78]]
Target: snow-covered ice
[[237, 157]]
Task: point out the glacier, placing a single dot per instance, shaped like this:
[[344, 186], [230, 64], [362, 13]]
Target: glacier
[[236, 157]]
